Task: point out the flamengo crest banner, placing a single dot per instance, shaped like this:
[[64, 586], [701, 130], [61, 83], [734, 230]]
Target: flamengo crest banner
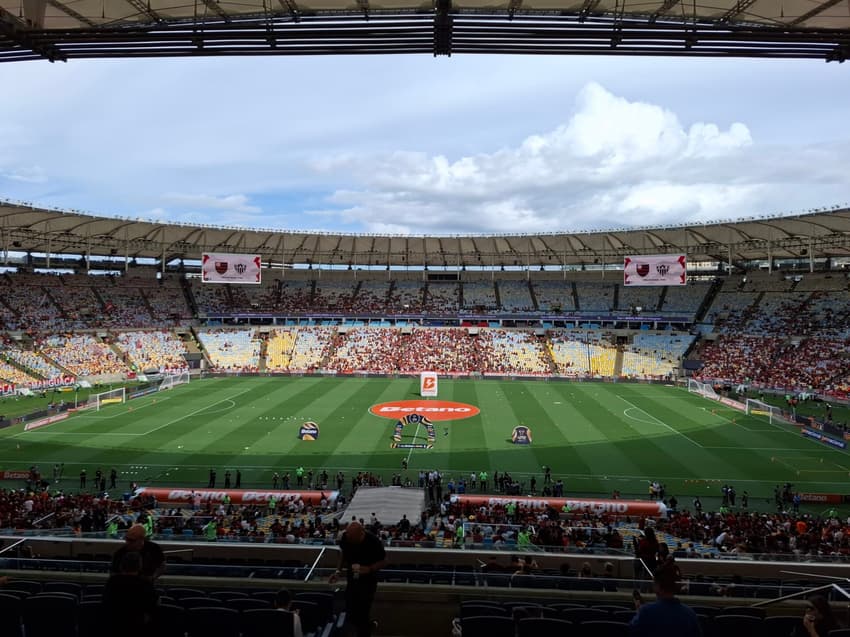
[[655, 269], [230, 268]]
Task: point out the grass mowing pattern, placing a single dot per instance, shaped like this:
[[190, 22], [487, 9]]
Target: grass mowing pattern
[[598, 437]]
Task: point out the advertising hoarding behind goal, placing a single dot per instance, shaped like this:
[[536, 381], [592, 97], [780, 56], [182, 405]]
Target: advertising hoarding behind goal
[[428, 384], [231, 268], [655, 269]]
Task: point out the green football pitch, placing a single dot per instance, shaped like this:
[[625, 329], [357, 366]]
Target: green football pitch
[[597, 437]]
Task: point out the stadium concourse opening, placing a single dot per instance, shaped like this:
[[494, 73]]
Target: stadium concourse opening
[[725, 396]]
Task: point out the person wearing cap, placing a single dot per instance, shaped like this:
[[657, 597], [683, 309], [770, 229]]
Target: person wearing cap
[[363, 554], [153, 559]]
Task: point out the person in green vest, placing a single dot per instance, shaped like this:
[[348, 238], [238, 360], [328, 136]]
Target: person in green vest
[[482, 481], [272, 505], [299, 476], [149, 526], [566, 508], [524, 538], [510, 510], [112, 528], [211, 530], [459, 533], [226, 501]]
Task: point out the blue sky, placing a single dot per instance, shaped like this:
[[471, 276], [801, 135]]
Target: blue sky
[[409, 144]]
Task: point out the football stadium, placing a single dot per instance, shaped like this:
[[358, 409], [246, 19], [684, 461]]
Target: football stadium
[[218, 429]]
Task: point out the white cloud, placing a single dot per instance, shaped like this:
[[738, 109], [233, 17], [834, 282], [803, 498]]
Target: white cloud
[[614, 162], [232, 203], [26, 174]]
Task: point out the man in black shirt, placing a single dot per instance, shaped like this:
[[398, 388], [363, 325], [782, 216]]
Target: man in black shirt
[[153, 559], [130, 600], [364, 555]]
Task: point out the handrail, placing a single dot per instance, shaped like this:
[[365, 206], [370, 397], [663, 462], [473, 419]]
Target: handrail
[[13, 545], [832, 586], [315, 563]]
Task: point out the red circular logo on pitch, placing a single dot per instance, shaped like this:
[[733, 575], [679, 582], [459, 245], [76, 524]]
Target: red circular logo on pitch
[[431, 409]]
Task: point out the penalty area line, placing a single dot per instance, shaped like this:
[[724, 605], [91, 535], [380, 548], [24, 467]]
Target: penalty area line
[[658, 421]]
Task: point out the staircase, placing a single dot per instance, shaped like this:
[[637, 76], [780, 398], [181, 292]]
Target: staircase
[[575, 295], [534, 302], [388, 504], [615, 304], [498, 294], [618, 362], [662, 299]]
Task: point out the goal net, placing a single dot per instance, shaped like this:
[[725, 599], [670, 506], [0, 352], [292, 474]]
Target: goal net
[[114, 397], [760, 408], [703, 389], [173, 380]]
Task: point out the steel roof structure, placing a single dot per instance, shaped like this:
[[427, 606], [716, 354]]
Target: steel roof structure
[[817, 234], [60, 30]]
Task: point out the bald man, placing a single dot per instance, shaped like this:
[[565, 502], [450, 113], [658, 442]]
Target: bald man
[[135, 540], [363, 555]]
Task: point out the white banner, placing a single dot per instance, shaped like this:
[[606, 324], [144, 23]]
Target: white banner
[[655, 269], [428, 384], [230, 268]]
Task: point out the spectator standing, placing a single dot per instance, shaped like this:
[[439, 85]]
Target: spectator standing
[[667, 616], [129, 599], [153, 559], [818, 620], [363, 554]]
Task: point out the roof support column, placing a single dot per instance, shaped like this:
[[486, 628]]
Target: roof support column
[[811, 257], [49, 241], [770, 257], [729, 251], [34, 11]]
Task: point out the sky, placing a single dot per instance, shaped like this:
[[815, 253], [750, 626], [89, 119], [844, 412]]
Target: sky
[[424, 145]]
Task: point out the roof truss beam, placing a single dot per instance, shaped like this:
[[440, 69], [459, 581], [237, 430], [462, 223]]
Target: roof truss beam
[[145, 10], [740, 7], [814, 12], [213, 6], [79, 17], [662, 10]]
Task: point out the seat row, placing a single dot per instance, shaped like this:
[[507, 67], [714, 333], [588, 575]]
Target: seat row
[[68, 608]]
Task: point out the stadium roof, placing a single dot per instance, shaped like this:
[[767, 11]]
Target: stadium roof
[[817, 234], [66, 29]]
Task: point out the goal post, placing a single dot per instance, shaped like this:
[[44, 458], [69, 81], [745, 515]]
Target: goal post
[[760, 408], [113, 397], [172, 380], [703, 389]]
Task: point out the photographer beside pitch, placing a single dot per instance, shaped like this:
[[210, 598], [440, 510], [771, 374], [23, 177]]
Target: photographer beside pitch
[[363, 554]]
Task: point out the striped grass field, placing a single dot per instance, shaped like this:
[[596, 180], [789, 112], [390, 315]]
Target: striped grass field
[[597, 437]]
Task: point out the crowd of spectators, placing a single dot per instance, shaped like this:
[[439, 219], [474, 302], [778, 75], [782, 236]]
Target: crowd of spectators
[[480, 296], [31, 360], [512, 352], [232, 350], [367, 349], [11, 374], [446, 351], [515, 296], [81, 354], [776, 362], [43, 508], [157, 349]]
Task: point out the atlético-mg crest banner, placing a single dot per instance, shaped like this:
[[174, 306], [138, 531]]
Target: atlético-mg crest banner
[[655, 269], [231, 268]]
